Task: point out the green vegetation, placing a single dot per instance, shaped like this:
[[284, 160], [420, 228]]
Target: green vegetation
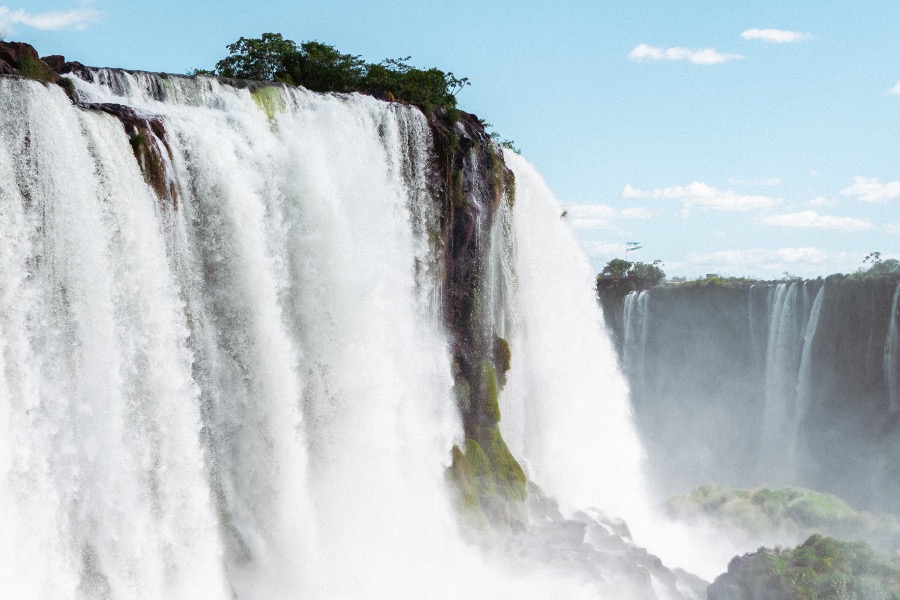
[[877, 267], [822, 568], [490, 391], [794, 512], [621, 276], [323, 68], [32, 68], [491, 484]]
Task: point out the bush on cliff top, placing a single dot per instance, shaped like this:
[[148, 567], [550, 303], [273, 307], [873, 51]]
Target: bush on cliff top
[[323, 68]]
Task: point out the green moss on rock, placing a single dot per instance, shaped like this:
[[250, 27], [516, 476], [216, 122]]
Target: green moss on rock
[[764, 512], [822, 568], [269, 100], [490, 391]]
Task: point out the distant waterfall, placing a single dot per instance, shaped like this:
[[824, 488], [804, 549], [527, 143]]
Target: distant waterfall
[[804, 379], [234, 383], [636, 327], [783, 356], [891, 355]]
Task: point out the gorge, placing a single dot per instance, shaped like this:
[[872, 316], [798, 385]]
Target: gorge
[[766, 384]]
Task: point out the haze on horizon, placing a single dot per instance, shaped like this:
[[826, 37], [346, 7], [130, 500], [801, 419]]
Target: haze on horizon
[[727, 138]]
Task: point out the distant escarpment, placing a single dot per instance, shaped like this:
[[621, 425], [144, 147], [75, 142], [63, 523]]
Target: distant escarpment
[[783, 383]]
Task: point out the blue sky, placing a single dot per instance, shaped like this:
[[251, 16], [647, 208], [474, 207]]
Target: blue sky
[[743, 138]]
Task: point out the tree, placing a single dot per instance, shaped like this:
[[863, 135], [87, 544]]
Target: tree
[[622, 276], [617, 267], [267, 58], [878, 267], [419, 86], [649, 274], [322, 68]]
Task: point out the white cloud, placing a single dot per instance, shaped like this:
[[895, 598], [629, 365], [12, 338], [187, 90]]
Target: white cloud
[[602, 216], [871, 190], [762, 262], [776, 36], [701, 194], [895, 89], [704, 56], [808, 219], [77, 19], [892, 228], [821, 201]]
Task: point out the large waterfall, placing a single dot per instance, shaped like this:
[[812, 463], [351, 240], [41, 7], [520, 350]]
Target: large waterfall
[[769, 384], [230, 378]]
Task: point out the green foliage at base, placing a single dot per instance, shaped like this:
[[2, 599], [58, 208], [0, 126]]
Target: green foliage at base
[[506, 469], [796, 512], [822, 568], [490, 482]]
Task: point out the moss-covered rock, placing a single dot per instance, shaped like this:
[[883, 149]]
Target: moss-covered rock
[[269, 100], [789, 512], [822, 568]]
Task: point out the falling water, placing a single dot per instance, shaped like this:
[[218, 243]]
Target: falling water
[[565, 406], [891, 353], [242, 390], [804, 379], [636, 329]]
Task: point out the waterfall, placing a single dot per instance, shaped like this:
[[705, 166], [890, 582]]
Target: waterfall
[[636, 328], [566, 408], [235, 384], [891, 352], [804, 379]]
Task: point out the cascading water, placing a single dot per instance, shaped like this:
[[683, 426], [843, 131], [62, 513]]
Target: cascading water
[[891, 354], [637, 323], [565, 405], [783, 356], [235, 383], [804, 380]]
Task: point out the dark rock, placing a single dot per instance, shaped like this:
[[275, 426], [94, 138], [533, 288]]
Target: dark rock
[[55, 62], [14, 52], [7, 69], [77, 69], [24, 59]]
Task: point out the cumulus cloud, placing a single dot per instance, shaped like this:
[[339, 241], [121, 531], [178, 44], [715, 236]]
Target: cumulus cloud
[[871, 190], [895, 89], [821, 201], [602, 216], [808, 219], [892, 228], [766, 262], [703, 56], [701, 194], [75, 19], [776, 36]]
